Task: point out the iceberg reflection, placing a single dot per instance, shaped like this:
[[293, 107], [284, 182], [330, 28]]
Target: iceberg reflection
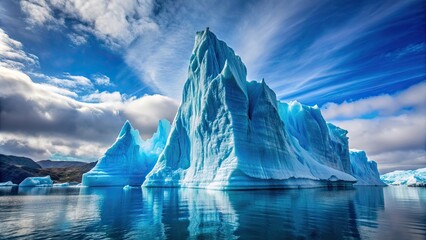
[[172, 213]]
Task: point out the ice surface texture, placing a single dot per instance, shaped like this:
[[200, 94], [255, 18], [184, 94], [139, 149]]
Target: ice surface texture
[[411, 178], [232, 134], [129, 159], [8, 184], [364, 170], [37, 182]]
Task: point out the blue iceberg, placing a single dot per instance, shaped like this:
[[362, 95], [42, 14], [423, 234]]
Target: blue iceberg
[[364, 170], [8, 184], [232, 134], [37, 182], [411, 178], [129, 159]]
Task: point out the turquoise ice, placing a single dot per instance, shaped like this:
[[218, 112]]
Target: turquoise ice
[[129, 159], [37, 182], [363, 169], [233, 134], [411, 178]]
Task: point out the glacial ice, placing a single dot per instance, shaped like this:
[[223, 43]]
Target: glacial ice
[[8, 184], [324, 142], [232, 134], [364, 170], [129, 159], [128, 187], [411, 178], [37, 182]]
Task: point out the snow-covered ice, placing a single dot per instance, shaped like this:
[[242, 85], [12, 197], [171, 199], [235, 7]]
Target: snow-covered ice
[[411, 178], [37, 182], [129, 159]]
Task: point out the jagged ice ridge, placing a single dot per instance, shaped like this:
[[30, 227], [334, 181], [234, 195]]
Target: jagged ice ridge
[[232, 134], [129, 159]]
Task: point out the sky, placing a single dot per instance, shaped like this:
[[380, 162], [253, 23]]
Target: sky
[[72, 71]]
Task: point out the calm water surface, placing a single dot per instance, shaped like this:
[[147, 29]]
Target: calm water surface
[[113, 213]]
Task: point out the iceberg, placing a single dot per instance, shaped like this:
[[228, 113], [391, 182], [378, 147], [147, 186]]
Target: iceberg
[[8, 184], [364, 170], [411, 178], [129, 159], [37, 182], [233, 134], [128, 187]]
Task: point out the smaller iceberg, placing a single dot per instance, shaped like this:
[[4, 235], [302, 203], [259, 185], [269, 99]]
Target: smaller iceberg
[[37, 182], [128, 187], [364, 170], [8, 184], [129, 159], [411, 178]]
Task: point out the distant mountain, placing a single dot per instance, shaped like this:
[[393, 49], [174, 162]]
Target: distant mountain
[[60, 164], [69, 174], [18, 161], [16, 169]]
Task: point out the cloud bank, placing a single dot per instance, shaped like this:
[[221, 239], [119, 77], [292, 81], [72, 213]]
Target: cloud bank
[[391, 128], [46, 119]]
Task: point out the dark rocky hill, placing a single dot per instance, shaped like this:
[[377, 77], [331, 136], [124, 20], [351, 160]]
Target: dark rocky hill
[[60, 164], [16, 169], [18, 161]]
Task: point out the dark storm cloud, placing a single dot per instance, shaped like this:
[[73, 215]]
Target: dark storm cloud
[[36, 121]]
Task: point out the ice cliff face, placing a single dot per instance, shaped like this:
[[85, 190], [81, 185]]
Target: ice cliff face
[[411, 178], [326, 143], [233, 134], [129, 159], [364, 170]]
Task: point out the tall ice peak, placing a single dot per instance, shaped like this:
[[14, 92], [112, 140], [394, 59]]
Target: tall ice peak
[[127, 127], [214, 53]]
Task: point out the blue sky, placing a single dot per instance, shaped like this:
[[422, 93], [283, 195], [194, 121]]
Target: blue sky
[[114, 56]]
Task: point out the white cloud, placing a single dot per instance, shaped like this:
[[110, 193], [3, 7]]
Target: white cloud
[[83, 129], [58, 90], [41, 120], [12, 55], [117, 22], [385, 134], [103, 97], [386, 104], [400, 160], [396, 136], [68, 81], [102, 80], [38, 11], [77, 39]]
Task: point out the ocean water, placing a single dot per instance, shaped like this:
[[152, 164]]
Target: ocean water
[[114, 213]]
